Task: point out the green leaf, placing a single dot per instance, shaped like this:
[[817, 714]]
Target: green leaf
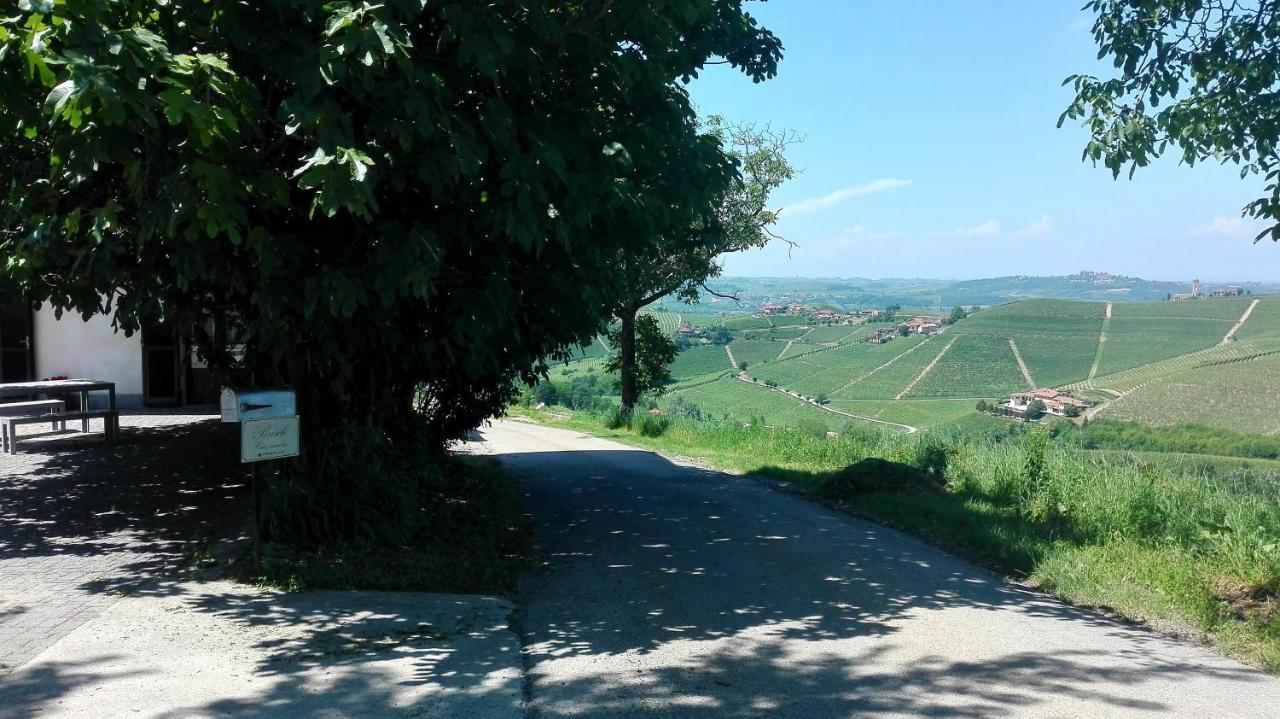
[[58, 96]]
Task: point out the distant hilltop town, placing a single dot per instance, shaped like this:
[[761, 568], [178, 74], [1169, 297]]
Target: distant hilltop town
[[1197, 292]]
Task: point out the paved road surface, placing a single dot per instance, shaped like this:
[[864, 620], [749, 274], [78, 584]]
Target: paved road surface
[[672, 591]]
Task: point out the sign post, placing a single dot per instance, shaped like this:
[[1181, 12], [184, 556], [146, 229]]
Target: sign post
[[269, 429]]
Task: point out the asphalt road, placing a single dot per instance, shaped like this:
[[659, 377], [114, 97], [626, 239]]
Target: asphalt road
[[672, 591]]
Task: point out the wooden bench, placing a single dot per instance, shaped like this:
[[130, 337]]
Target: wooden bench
[[9, 425]]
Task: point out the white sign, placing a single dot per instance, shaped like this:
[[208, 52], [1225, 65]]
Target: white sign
[[263, 439]]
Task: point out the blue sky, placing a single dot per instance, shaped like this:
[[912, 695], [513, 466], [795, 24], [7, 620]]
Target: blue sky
[[931, 150]]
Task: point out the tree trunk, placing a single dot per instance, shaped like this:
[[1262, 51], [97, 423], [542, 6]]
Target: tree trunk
[[627, 357]]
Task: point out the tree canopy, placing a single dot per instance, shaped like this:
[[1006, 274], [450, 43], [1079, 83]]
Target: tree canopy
[[1197, 76], [681, 266], [378, 197], [396, 208], [653, 352]]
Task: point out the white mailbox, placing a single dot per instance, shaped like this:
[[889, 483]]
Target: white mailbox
[[246, 405]]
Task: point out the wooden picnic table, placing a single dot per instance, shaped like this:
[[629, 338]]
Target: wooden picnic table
[[79, 387]]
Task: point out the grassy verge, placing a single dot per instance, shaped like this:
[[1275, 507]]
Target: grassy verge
[[1163, 543], [477, 540]]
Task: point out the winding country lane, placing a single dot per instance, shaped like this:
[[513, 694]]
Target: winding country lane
[[674, 591]]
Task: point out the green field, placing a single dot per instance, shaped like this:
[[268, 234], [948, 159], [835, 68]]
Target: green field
[[1149, 332], [826, 371], [699, 360], [837, 333], [975, 366], [914, 412], [782, 333], [565, 370], [734, 399], [668, 321], [755, 352], [595, 349], [891, 368], [1057, 339], [1129, 379], [746, 322], [1242, 395], [1265, 320], [702, 319], [1161, 363]]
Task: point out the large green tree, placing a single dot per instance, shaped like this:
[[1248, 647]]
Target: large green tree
[[1201, 77], [652, 352], [681, 266], [397, 208]]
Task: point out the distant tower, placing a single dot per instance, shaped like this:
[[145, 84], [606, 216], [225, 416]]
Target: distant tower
[[1195, 288]]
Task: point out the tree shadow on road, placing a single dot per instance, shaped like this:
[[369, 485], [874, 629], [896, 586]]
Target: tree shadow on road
[[673, 589], [170, 480]]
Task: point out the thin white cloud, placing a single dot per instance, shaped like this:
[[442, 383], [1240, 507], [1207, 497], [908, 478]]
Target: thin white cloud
[[831, 199], [1042, 226], [1221, 227], [1084, 23], [986, 229]]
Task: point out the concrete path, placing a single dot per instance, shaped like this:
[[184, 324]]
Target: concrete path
[[83, 523], [95, 623], [227, 650], [673, 591]]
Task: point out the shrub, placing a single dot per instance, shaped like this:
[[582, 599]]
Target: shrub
[[651, 426], [811, 427], [617, 419], [933, 457], [684, 409], [546, 393]]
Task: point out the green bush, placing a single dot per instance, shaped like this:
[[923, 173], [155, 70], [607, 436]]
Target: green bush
[[652, 426], [617, 419]]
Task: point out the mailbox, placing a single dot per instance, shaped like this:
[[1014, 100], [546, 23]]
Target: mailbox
[[246, 405]]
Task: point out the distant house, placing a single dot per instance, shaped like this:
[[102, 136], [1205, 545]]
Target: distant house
[[773, 309], [824, 315], [1228, 292], [923, 325], [797, 308], [685, 330], [1055, 402], [883, 335]]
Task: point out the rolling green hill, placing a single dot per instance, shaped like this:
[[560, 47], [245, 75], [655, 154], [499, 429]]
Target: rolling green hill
[[1158, 363], [1137, 359]]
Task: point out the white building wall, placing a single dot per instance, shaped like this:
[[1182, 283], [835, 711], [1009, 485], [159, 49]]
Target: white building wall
[[72, 347]]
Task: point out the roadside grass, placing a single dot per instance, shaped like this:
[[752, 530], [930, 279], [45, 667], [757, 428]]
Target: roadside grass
[[1178, 550], [477, 542]]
